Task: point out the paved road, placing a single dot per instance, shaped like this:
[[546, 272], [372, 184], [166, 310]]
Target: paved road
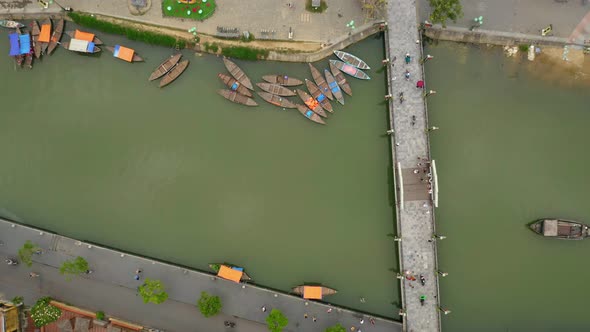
[[112, 288], [410, 142], [521, 16]]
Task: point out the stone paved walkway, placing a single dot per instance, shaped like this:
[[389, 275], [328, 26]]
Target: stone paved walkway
[[410, 146], [112, 288]]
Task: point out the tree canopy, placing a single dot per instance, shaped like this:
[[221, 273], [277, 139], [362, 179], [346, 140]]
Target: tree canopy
[[26, 252], [336, 328], [209, 305], [74, 267], [276, 321], [152, 291], [443, 10]]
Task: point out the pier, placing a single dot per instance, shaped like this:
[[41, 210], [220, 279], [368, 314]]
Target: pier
[[414, 172]]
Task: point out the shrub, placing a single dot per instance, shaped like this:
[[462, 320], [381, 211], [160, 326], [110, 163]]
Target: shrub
[[44, 313], [100, 315], [209, 305], [276, 321], [153, 291], [74, 267], [26, 252]]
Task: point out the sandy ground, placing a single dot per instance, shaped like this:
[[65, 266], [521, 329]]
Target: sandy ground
[[549, 65]]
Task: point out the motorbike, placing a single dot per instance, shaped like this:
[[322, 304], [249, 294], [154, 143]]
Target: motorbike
[[11, 261], [422, 280]]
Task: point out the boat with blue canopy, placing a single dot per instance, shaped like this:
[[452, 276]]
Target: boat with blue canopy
[[81, 46], [14, 45]]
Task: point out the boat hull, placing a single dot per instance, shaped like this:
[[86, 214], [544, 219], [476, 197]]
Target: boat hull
[[320, 81], [276, 89], [311, 103], [334, 87], [319, 96], [309, 114], [238, 73], [56, 36], [234, 85], [350, 70], [276, 100], [237, 98], [215, 267], [283, 80], [340, 80], [165, 67], [174, 73], [560, 229], [352, 60]]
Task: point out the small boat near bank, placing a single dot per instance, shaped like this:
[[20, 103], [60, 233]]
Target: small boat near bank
[[283, 80], [320, 81], [340, 79], [45, 35], [174, 73], [234, 85], [87, 36], [276, 100], [560, 229], [124, 53], [309, 114], [237, 98], [276, 89], [311, 103], [165, 66], [237, 73], [319, 96], [56, 36], [230, 272], [334, 87], [35, 32], [313, 291], [81, 46], [11, 24], [350, 70], [351, 59]]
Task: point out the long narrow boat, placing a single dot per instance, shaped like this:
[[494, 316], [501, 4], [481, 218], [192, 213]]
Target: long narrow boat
[[277, 100], [340, 79], [237, 73], [165, 66], [124, 53], [309, 114], [352, 60], [45, 35], [319, 96], [283, 80], [311, 103], [15, 48], [334, 87], [313, 291], [237, 98], [234, 85], [56, 36], [35, 32], [11, 24], [217, 267], [560, 229], [350, 70], [174, 73], [320, 81], [87, 36], [276, 89], [81, 46], [25, 50]]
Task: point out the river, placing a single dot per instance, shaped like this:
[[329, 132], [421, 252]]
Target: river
[[511, 149], [93, 151]]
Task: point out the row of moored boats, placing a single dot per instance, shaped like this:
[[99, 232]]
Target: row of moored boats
[[276, 88]]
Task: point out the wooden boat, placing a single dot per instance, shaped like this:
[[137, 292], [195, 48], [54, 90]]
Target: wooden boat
[[309, 114], [165, 66], [320, 81], [174, 73], [340, 79], [352, 60], [234, 85], [217, 267], [275, 89], [311, 103], [560, 229], [35, 32], [277, 100], [313, 291], [237, 98], [45, 35], [237, 73], [283, 80], [87, 36], [319, 96], [81, 46], [11, 24], [15, 47], [334, 86], [350, 70], [56, 36], [124, 53]]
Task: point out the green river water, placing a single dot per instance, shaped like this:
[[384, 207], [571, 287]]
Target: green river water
[[94, 151]]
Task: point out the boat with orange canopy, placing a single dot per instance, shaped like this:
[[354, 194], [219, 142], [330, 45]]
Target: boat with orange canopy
[[45, 35], [313, 291], [230, 272], [87, 36], [311, 103], [124, 53]]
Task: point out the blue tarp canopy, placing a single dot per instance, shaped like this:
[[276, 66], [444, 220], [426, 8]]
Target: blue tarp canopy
[[14, 48], [90, 48], [25, 43]]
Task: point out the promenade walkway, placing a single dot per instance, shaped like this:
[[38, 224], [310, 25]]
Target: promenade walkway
[[112, 288], [412, 167]]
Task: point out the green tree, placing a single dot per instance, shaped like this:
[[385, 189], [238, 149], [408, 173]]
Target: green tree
[[276, 321], [44, 313], [74, 267], [443, 10], [152, 291], [336, 328], [17, 300], [26, 252], [209, 305]]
